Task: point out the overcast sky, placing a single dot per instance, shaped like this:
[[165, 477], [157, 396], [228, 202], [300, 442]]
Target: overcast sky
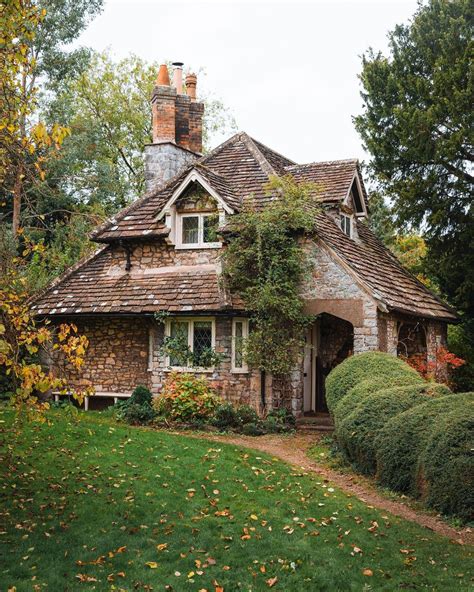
[[287, 70]]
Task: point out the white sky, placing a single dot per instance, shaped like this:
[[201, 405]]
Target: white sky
[[287, 70]]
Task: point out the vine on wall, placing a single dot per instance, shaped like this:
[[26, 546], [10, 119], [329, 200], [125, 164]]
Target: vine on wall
[[264, 262]]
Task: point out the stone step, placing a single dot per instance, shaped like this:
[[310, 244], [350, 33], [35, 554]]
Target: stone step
[[314, 427], [315, 419]]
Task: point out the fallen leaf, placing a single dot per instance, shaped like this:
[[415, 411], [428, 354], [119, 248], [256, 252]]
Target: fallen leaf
[[152, 564], [271, 582], [162, 546], [367, 572]]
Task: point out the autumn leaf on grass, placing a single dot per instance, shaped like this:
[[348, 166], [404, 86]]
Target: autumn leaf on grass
[[162, 546], [151, 564], [367, 572], [271, 582], [85, 578]]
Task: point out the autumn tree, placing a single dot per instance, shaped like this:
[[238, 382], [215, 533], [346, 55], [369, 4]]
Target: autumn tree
[[23, 148]]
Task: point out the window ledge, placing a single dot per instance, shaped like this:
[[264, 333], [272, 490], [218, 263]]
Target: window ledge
[[189, 370], [193, 247], [239, 371]]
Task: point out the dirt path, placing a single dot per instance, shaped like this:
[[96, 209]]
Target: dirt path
[[292, 449]]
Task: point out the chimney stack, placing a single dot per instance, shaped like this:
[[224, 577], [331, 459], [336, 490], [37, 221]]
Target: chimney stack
[[178, 77], [177, 126], [191, 83]]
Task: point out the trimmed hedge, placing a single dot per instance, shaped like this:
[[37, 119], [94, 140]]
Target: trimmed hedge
[[404, 437], [370, 386], [357, 432], [445, 476], [362, 367]]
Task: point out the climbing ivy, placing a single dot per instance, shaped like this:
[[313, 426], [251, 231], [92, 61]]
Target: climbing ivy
[[264, 261]]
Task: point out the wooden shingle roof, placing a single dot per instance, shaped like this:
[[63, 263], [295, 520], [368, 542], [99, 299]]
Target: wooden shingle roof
[[238, 170]]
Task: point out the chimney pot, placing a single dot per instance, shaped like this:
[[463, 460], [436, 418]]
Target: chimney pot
[[163, 78], [178, 77], [191, 83]]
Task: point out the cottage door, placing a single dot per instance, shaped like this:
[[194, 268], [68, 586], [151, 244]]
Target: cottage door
[[309, 369]]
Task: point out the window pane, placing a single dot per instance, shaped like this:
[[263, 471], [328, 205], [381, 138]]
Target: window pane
[[190, 230], [179, 333], [210, 228], [202, 341], [238, 345]]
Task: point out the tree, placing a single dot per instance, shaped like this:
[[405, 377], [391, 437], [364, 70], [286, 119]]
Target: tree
[[33, 35], [417, 126], [108, 111], [22, 339]]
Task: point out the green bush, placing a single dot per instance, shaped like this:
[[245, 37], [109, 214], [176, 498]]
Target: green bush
[[445, 476], [246, 414], [283, 416], [403, 438], [186, 398], [370, 386], [253, 429], [225, 417], [357, 432], [136, 414], [362, 367], [141, 395]]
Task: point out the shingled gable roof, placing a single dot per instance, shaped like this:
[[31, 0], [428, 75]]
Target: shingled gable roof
[[386, 280], [237, 170]]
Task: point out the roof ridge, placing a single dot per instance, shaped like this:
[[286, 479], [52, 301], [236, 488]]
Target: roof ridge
[[218, 148], [307, 164], [274, 151], [262, 161]]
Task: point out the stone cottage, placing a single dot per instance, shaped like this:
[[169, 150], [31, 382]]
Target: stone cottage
[[161, 254]]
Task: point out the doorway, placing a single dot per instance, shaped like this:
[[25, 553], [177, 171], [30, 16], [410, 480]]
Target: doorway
[[329, 341]]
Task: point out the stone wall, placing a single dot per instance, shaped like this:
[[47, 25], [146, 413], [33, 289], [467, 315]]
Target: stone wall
[[163, 161], [125, 352], [328, 280], [152, 255]]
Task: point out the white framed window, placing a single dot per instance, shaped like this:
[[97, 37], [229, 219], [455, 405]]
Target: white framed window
[[197, 231], [240, 332], [346, 225], [198, 333]]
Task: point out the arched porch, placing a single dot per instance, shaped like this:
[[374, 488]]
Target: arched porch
[[329, 341]]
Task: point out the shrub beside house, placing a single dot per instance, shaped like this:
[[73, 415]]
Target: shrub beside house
[[414, 435]]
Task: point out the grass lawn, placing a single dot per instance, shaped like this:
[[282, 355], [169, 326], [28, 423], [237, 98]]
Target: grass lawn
[[92, 505]]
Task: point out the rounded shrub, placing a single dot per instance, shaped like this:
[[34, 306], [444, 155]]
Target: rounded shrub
[[141, 395], [357, 432], [362, 367], [370, 386], [246, 414], [402, 439], [225, 417], [445, 476], [186, 398]]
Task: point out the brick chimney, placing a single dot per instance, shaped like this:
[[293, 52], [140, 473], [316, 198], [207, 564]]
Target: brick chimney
[[177, 126]]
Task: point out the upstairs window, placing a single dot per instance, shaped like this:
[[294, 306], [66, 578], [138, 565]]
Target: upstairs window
[[198, 230], [346, 225]]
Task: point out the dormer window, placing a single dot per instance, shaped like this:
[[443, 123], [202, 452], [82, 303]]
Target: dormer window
[[346, 225], [197, 230]]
